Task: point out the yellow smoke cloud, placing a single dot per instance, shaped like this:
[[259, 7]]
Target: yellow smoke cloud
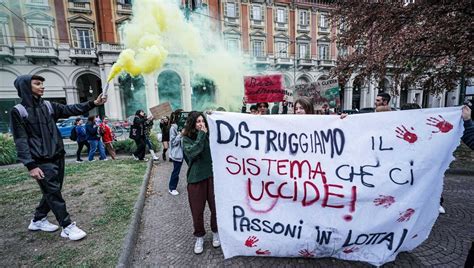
[[157, 26]]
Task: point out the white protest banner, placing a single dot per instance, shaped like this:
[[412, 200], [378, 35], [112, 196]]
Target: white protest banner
[[362, 188]]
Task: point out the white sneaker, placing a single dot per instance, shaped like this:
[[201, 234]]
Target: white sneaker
[[441, 210], [199, 246], [155, 158], [73, 232], [173, 192], [134, 157], [43, 225], [216, 242]]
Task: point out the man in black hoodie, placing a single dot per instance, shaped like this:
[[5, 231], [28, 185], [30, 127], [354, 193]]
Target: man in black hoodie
[[40, 148]]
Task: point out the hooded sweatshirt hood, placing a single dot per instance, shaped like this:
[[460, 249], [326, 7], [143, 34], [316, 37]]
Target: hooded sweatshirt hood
[[23, 87]]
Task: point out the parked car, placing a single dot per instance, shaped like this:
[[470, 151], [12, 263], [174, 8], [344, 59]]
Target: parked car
[[66, 126], [367, 110]]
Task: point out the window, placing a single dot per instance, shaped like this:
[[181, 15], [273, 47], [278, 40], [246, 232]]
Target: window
[[303, 51], [232, 44], [304, 17], [42, 36], [342, 51], [323, 21], [257, 48], [83, 38], [3, 34], [323, 52], [230, 10], [256, 13], [281, 15], [282, 49]]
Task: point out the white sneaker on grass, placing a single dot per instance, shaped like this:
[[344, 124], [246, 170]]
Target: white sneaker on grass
[[73, 232], [173, 192], [43, 225], [441, 210], [216, 242], [199, 246]]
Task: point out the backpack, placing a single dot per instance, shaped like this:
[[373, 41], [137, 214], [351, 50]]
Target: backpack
[[24, 113], [73, 135]]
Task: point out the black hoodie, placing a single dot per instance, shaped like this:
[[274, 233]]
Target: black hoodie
[[36, 137]]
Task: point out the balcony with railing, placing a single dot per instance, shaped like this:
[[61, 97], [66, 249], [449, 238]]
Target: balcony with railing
[[41, 52], [6, 50], [124, 8], [305, 62], [80, 7], [109, 48], [283, 60], [316, 2], [326, 63], [261, 59], [82, 53]]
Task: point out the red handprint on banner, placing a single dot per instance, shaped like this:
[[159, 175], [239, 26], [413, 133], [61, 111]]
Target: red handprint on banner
[[384, 200], [404, 133], [350, 250], [406, 215], [442, 125], [251, 242], [262, 252], [305, 253]]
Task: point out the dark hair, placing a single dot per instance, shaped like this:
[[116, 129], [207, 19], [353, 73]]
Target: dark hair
[[253, 107], [410, 106], [306, 103], [220, 109], [91, 118], [175, 116], [77, 120], [37, 77], [190, 126], [264, 103], [138, 112], [385, 96]]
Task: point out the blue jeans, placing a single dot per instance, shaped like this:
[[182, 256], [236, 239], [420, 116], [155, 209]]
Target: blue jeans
[[93, 146], [147, 141], [175, 175]]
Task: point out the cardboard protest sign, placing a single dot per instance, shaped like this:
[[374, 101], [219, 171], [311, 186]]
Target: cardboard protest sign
[[325, 94], [319, 186], [265, 88], [161, 110]]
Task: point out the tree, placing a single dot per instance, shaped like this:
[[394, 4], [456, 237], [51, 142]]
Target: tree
[[427, 44]]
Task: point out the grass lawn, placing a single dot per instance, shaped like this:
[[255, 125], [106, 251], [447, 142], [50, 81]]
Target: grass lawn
[[99, 196]]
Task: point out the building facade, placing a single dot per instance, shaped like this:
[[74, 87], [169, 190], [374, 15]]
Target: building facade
[[74, 43]]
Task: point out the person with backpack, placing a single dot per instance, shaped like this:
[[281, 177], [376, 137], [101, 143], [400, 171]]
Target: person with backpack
[[40, 148], [137, 133], [78, 134]]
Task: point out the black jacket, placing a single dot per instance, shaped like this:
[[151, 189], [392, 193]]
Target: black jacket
[[36, 137]]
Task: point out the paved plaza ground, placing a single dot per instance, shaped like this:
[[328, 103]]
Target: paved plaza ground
[[165, 237]]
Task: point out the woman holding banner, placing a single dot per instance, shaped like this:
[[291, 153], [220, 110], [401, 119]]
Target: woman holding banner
[[303, 106], [197, 154]]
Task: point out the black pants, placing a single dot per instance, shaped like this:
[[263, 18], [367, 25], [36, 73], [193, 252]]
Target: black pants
[[51, 187], [470, 258], [80, 145], [141, 145]]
